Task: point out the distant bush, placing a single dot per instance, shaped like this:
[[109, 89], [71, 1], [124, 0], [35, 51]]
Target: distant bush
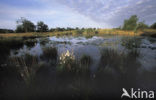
[[25, 25], [141, 26], [153, 26], [6, 31], [41, 27]]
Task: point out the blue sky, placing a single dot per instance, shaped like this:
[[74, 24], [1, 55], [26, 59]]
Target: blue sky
[[76, 13]]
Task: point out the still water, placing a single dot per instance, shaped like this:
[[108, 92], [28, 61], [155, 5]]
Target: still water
[[92, 47]]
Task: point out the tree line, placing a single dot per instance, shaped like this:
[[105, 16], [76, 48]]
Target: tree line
[[24, 25], [133, 24]]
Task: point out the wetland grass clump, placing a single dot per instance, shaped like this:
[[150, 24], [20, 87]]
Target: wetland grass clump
[[85, 62], [11, 43], [8, 44], [116, 67], [27, 67], [120, 61], [110, 57], [131, 42], [49, 54], [30, 42], [121, 64]]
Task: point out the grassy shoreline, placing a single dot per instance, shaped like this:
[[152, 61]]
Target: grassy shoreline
[[100, 32]]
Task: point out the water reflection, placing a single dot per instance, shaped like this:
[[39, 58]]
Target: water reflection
[[79, 68]]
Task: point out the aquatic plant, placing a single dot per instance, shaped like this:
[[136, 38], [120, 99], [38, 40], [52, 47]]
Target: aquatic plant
[[120, 61], [43, 41], [130, 42], [117, 67], [11, 43], [6, 45], [67, 62], [110, 58], [85, 62], [30, 42], [27, 67], [50, 54]]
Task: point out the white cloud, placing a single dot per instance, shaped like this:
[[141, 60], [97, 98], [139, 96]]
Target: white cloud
[[82, 13]]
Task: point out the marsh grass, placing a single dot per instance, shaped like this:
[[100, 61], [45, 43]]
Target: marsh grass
[[50, 55], [73, 77], [116, 70], [44, 41], [110, 58], [120, 61], [30, 42], [11, 43], [149, 32], [26, 66], [119, 66], [131, 42], [8, 44], [83, 32], [85, 62]]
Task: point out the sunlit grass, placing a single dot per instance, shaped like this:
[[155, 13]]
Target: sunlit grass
[[99, 32]]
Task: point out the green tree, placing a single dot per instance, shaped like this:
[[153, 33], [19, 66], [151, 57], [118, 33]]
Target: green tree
[[153, 26], [19, 29], [25, 25], [131, 23], [41, 27], [141, 26]]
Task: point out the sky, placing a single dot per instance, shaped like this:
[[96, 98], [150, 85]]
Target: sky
[[76, 13]]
